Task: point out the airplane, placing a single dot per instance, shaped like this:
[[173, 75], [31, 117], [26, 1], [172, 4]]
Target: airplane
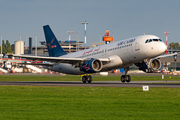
[[144, 51]]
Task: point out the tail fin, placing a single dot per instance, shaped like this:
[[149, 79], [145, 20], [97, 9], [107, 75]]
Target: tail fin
[[52, 43]]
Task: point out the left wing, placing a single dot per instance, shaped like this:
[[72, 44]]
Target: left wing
[[58, 60]]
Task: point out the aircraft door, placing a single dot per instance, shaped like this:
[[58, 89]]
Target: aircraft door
[[137, 44], [105, 52], [136, 52]]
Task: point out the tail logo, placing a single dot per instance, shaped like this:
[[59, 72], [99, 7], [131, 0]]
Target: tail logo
[[51, 46]]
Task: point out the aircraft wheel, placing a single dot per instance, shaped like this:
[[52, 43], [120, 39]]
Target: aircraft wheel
[[123, 78], [128, 78], [149, 70], [84, 79], [89, 79]]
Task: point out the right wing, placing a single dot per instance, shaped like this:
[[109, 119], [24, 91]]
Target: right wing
[[172, 54]]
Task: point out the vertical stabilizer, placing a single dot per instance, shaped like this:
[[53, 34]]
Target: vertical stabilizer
[[52, 43]]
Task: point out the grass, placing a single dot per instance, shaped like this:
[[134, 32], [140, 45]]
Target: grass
[[90, 103], [112, 77]]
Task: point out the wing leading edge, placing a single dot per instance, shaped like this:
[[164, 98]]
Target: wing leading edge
[[161, 56]]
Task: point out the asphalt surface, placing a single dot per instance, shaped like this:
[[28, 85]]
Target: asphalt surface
[[168, 84]]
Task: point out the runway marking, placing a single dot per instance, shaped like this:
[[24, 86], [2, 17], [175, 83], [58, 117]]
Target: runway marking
[[169, 84]]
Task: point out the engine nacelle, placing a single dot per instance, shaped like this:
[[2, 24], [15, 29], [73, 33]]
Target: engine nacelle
[[155, 64], [91, 66], [150, 65]]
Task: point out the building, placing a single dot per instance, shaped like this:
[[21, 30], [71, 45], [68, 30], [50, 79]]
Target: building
[[42, 50]]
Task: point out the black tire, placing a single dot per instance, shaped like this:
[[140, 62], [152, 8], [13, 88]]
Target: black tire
[[89, 79], [123, 78], [84, 79], [128, 78], [150, 70]]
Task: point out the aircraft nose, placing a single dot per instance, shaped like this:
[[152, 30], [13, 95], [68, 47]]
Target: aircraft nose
[[162, 47]]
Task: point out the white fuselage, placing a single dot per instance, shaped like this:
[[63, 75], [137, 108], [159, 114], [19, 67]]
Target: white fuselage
[[121, 53]]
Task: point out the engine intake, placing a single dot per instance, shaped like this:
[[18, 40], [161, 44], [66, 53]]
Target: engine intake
[[155, 64], [150, 65], [91, 66]]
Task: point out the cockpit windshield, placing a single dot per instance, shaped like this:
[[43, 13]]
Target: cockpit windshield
[[152, 40], [155, 40]]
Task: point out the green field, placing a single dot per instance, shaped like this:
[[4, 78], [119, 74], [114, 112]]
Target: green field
[[69, 103], [90, 103], [111, 77]]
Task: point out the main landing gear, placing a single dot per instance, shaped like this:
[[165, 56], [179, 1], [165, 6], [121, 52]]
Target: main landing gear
[[126, 78], [86, 78]]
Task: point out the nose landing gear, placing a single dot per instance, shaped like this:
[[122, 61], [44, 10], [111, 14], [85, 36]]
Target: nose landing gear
[[125, 78]]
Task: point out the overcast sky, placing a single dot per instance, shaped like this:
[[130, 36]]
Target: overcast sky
[[124, 18]]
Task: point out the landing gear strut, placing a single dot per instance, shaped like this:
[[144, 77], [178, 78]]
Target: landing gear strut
[[126, 78], [86, 78]]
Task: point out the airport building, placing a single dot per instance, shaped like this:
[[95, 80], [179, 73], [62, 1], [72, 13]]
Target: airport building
[[173, 51], [42, 50], [170, 63]]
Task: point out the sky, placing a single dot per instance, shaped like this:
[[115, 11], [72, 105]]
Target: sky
[[124, 19]]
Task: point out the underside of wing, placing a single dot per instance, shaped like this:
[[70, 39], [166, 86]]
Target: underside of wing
[[43, 64]]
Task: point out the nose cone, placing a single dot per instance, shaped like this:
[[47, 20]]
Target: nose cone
[[162, 47], [154, 49]]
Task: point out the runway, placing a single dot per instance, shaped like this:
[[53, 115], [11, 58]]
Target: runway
[[168, 84]]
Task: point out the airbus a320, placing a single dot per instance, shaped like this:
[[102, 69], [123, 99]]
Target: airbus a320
[[143, 51]]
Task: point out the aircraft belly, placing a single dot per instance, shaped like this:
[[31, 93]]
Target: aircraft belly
[[115, 67], [67, 69]]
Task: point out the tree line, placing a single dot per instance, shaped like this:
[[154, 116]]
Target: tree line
[[173, 45], [6, 47]]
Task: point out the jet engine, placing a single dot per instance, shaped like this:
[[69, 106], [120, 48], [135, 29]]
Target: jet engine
[[149, 66], [91, 66]]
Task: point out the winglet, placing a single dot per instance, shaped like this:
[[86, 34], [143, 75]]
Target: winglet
[[52, 43]]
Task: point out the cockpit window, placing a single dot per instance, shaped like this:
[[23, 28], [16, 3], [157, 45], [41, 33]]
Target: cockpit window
[[150, 40], [155, 40]]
